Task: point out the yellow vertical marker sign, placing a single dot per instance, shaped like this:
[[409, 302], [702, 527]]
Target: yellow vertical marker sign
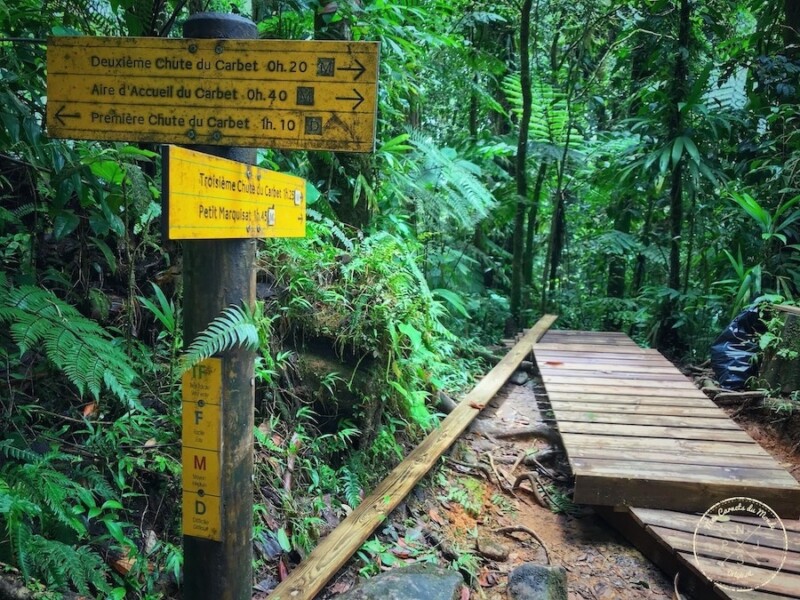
[[201, 414]]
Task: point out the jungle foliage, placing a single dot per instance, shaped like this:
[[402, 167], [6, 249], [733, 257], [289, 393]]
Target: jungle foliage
[[635, 166]]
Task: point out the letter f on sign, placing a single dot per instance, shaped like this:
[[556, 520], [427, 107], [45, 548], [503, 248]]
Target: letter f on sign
[[198, 416]]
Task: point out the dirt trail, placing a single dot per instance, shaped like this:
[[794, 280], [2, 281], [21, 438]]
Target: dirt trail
[[454, 517], [600, 564]]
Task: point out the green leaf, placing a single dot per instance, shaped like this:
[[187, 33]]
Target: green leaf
[[453, 299], [110, 170], [115, 529], [692, 149], [312, 193], [677, 150], [283, 540], [663, 160], [65, 223]]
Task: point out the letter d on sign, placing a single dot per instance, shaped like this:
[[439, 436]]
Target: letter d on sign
[[199, 507]]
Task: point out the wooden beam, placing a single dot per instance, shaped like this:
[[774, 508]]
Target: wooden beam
[[334, 551]]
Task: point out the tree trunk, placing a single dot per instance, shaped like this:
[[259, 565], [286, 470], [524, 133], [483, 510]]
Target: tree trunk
[[615, 287], [791, 29], [668, 336], [530, 234], [639, 270], [781, 367], [521, 173]]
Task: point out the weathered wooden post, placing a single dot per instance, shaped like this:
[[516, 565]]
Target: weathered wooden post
[[218, 273]]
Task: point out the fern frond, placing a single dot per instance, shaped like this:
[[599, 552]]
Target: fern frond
[[352, 487], [9, 451], [62, 565], [235, 326], [83, 350], [331, 227], [448, 188]]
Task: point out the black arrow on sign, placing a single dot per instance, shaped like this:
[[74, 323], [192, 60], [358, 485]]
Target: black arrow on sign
[[358, 99], [360, 68], [61, 115]]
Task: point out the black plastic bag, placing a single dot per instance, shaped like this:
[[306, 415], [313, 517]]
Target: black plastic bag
[[733, 352]]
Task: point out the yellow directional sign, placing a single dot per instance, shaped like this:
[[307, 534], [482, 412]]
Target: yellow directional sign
[[202, 411], [208, 197], [319, 95]]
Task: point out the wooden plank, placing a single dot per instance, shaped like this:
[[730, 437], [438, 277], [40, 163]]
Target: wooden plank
[[655, 431], [628, 467], [571, 347], [687, 459], [600, 357], [333, 552], [630, 374], [659, 553], [600, 352], [680, 521], [576, 333], [668, 391], [601, 416], [667, 445], [782, 583], [596, 381], [602, 340], [554, 367], [711, 547], [631, 400], [677, 494], [665, 409], [788, 524]]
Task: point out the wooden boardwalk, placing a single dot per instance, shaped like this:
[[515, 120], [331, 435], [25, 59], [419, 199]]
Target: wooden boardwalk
[[638, 433]]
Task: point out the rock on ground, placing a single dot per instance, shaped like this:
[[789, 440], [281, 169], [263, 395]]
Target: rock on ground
[[530, 581], [415, 582]]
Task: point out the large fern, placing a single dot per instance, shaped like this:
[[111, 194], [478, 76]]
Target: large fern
[[41, 498], [447, 187], [62, 565], [550, 126], [85, 352]]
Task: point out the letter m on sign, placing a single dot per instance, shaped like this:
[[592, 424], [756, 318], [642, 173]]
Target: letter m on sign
[[200, 462]]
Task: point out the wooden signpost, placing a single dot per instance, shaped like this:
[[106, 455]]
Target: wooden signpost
[[255, 93], [224, 92]]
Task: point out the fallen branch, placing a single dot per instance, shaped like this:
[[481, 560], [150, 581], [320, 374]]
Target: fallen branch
[[474, 467], [731, 397], [534, 479], [445, 403], [522, 529], [531, 460], [503, 481], [519, 460]]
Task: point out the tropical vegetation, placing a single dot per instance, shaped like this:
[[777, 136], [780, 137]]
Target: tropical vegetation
[[628, 164]]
